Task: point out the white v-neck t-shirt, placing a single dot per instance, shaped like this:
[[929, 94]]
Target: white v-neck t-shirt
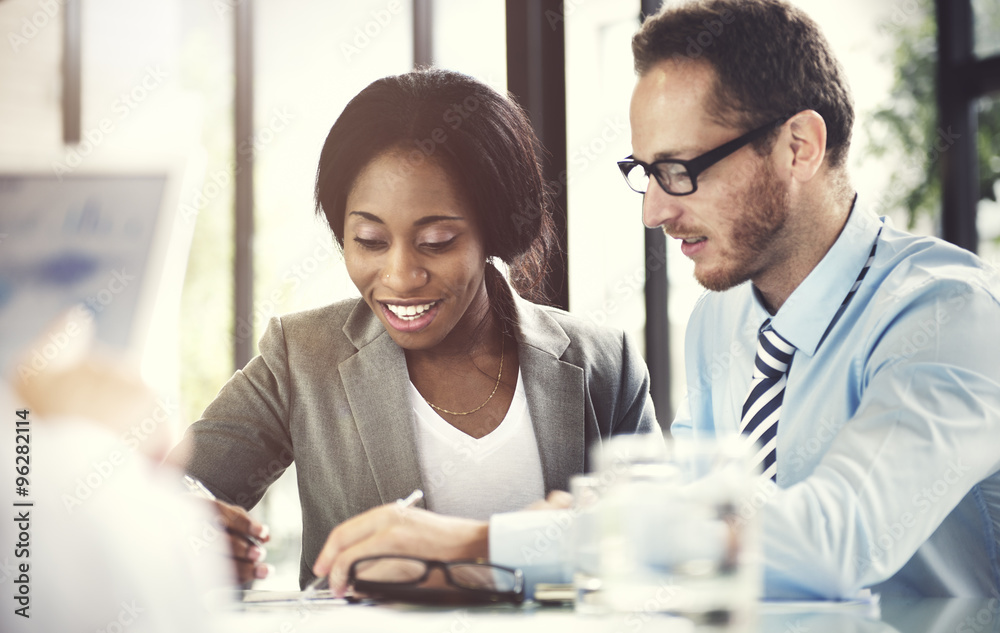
[[476, 478]]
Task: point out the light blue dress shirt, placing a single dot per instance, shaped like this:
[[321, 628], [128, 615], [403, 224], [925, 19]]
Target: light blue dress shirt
[[888, 444]]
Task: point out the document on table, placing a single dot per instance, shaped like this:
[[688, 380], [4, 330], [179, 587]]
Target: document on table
[[867, 605], [321, 597]]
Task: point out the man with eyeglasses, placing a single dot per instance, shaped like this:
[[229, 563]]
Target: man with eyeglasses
[[861, 360]]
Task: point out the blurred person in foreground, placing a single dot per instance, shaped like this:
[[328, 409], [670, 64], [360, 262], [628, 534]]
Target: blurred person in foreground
[[110, 539], [861, 359], [442, 376]]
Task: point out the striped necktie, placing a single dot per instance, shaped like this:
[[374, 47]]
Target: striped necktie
[[759, 422], [762, 406]]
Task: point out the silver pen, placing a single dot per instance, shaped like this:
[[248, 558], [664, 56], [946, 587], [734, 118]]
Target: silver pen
[[317, 583], [195, 487]]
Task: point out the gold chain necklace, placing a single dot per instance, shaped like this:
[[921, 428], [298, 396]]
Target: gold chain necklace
[[503, 342]]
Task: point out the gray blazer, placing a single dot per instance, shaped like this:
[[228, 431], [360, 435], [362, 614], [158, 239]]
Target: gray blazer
[[329, 391]]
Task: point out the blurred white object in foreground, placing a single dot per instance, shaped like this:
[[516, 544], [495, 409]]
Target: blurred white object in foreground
[[114, 543]]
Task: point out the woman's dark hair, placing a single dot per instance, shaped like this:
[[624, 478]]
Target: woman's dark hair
[[770, 61], [480, 137]]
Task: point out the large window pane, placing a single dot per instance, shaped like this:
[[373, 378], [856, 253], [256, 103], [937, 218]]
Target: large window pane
[[605, 241], [206, 305]]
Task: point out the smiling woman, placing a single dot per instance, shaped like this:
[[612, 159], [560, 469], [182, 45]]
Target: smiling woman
[[415, 252], [443, 375]]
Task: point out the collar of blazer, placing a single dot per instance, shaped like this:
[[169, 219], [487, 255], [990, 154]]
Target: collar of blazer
[[375, 380]]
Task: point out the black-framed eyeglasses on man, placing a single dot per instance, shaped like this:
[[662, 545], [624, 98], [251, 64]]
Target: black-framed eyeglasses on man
[[411, 579], [680, 177]]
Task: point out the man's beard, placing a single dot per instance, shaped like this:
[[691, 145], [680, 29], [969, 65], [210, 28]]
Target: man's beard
[[753, 234]]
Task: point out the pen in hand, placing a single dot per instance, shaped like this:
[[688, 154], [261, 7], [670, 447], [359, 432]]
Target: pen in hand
[[322, 581], [196, 487]]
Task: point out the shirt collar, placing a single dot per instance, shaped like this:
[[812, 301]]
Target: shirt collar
[[808, 311]]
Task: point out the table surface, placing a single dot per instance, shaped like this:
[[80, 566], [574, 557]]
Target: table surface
[[890, 614]]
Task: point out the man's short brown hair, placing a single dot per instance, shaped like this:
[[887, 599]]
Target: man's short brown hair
[[770, 60]]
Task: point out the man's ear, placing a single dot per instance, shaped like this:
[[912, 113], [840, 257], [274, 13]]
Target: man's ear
[[803, 145]]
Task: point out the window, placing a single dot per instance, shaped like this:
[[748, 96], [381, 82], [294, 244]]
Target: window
[[605, 242]]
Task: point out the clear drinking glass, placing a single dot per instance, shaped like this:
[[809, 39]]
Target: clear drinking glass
[[675, 536]]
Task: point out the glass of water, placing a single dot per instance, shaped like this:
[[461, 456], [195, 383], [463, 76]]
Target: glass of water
[[673, 538]]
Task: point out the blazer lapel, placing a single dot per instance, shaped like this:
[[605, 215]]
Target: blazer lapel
[[375, 379], [556, 395]]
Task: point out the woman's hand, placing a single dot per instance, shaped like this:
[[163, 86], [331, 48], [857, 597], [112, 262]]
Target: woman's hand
[[246, 539], [557, 500], [395, 530]]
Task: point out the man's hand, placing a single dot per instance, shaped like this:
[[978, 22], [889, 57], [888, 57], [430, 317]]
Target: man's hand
[[245, 541], [391, 529]]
